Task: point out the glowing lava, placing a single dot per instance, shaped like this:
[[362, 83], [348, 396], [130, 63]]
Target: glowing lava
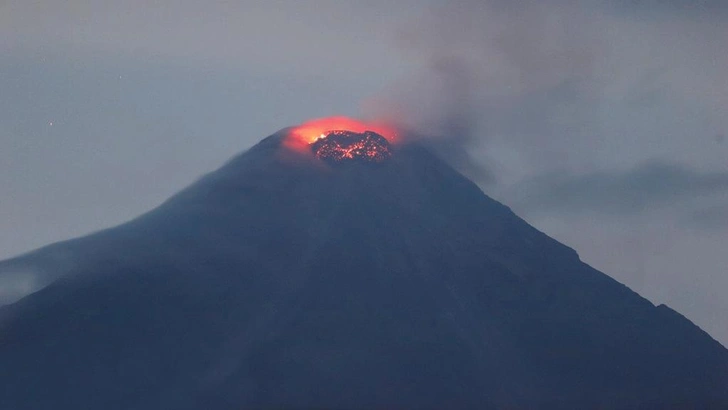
[[303, 137], [338, 146]]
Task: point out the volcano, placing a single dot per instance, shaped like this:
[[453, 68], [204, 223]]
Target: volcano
[[283, 280]]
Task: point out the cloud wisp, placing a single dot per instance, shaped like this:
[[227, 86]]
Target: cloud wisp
[[643, 188]]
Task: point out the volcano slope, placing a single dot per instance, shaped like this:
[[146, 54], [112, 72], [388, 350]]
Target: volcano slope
[[282, 281]]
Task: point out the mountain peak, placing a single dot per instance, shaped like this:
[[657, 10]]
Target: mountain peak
[[281, 281]]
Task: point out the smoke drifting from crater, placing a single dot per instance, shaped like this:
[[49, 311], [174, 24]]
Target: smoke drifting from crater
[[481, 65], [560, 84]]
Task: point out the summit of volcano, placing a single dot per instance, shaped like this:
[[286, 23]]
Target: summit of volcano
[[284, 281]]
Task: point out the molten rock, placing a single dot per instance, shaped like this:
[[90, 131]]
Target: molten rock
[[338, 146]]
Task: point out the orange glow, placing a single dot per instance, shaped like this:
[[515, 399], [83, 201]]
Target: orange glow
[[338, 146], [302, 136]]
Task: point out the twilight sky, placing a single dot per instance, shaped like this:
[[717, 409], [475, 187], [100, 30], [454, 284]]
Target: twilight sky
[[604, 124]]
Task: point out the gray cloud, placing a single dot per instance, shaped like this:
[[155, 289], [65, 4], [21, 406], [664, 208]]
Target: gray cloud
[[261, 37], [712, 218], [682, 6], [647, 186]]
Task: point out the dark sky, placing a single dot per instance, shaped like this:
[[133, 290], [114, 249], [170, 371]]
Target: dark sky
[[603, 124]]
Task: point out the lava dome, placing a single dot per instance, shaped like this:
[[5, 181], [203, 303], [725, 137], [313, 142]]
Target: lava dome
[[337, 139], [340, 145]]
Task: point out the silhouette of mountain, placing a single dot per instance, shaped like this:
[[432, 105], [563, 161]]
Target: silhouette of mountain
[[282, 281]]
